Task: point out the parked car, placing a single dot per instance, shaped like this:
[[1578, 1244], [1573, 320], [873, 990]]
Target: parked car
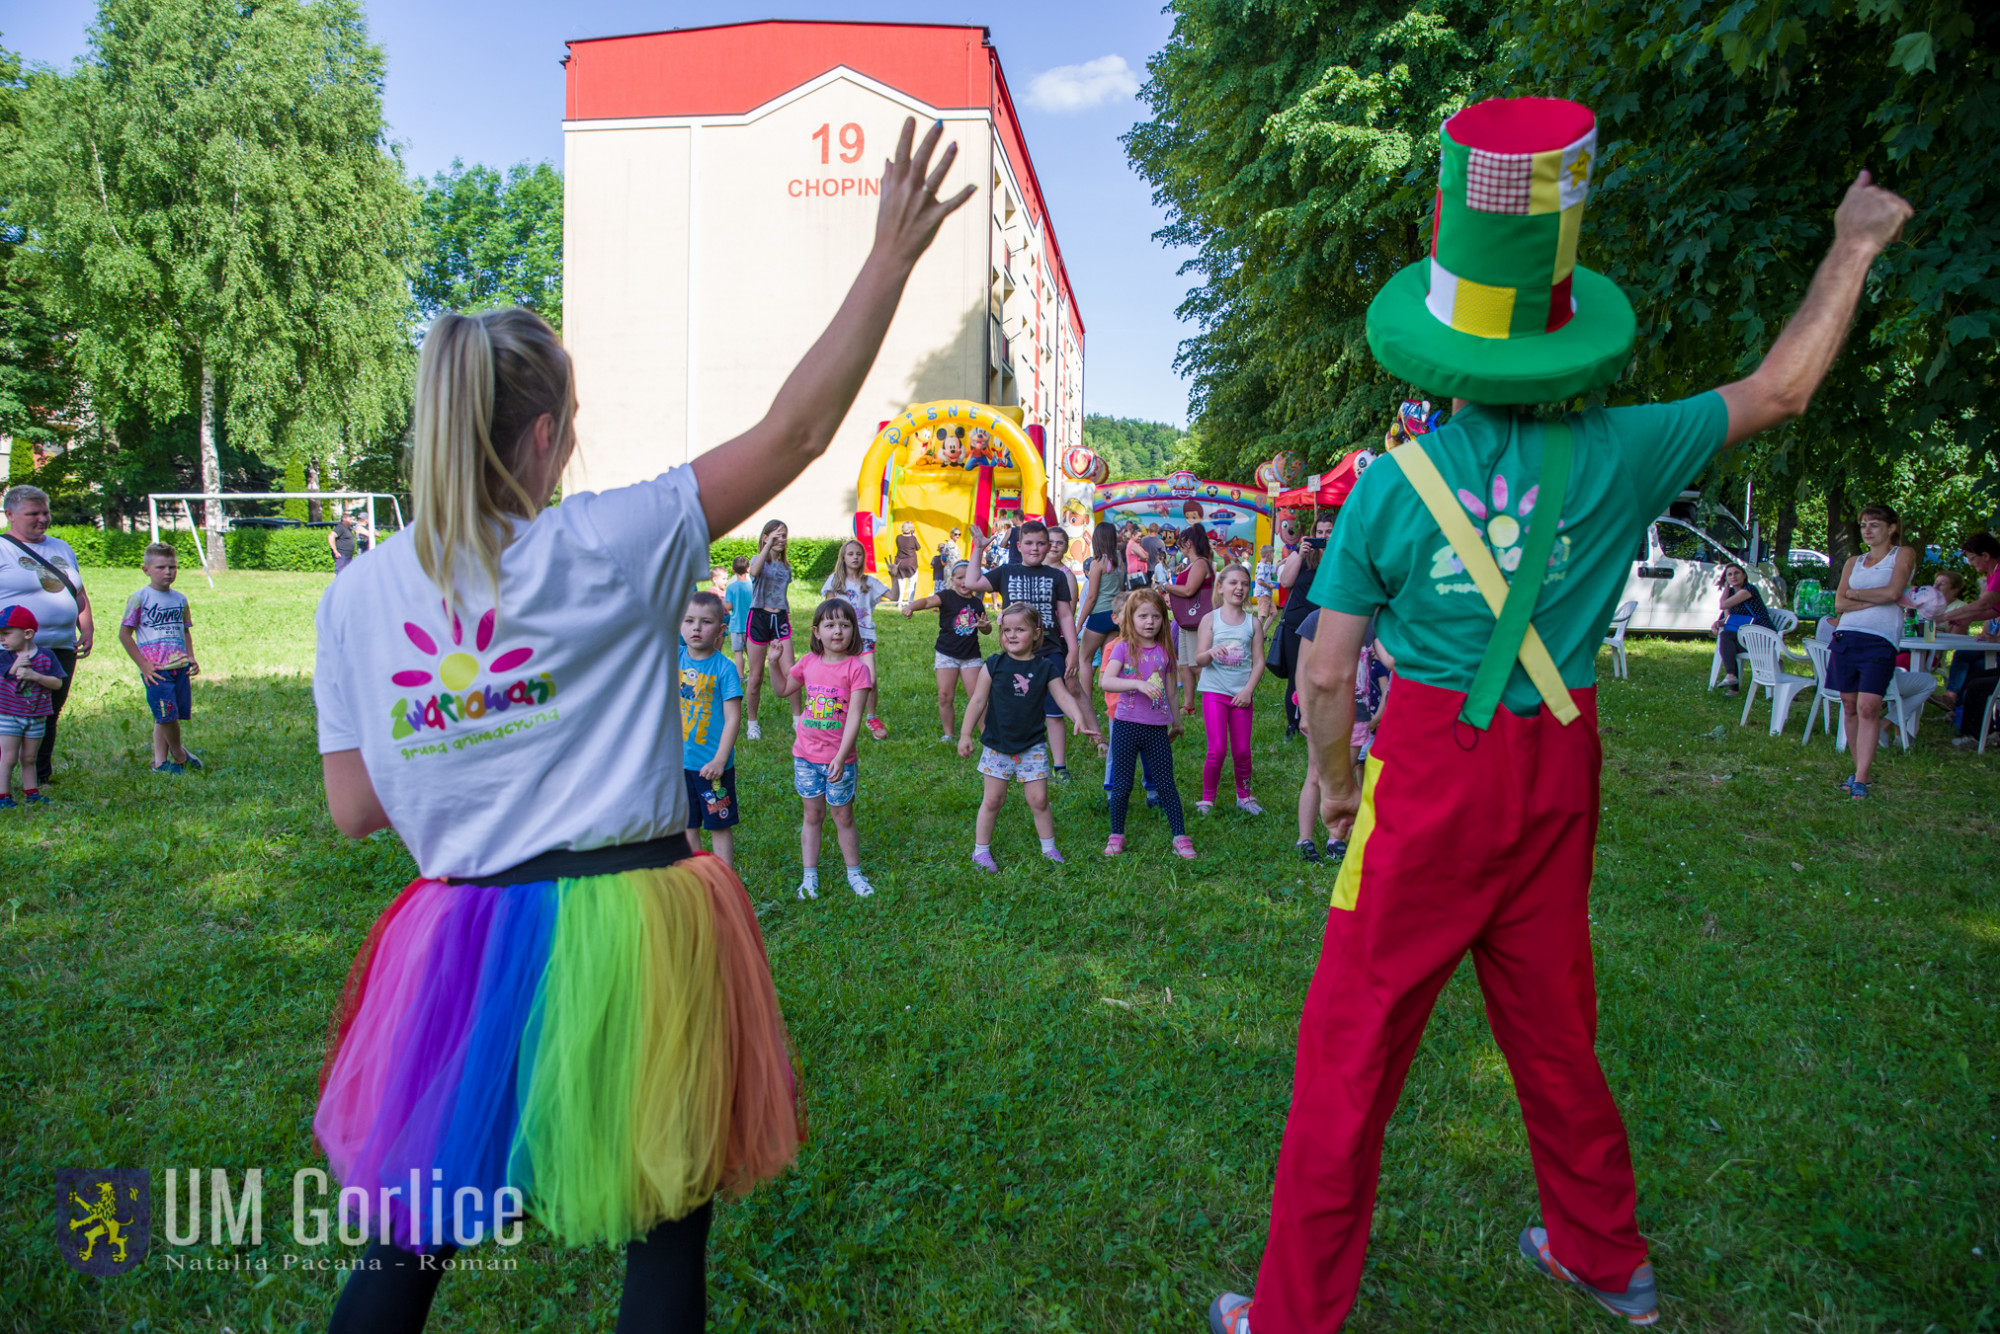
[[1798, 556], [1676, 582]]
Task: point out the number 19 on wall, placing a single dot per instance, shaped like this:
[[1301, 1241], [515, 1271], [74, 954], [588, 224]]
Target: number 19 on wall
[[852, 142]]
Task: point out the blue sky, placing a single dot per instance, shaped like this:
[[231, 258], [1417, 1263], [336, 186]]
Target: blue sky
[[484, 82]]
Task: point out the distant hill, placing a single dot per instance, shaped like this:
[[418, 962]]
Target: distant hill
[[1132, 447]]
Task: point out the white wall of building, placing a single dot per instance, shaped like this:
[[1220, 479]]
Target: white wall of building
[[703, 256]]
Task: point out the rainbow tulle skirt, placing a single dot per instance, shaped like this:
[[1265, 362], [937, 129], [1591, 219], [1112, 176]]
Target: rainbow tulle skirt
[[605, 1052]]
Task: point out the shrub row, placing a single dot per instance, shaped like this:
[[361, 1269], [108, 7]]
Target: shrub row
[[301, 549], [811, 558], [295, 549]]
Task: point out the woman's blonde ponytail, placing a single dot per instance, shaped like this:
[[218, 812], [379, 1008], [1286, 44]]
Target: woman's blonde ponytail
[[482, 383]]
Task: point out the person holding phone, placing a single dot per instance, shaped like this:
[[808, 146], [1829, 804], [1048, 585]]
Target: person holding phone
[[1295, 577]]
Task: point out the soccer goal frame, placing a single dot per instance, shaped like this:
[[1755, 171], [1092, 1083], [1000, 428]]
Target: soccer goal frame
[[217, 498]]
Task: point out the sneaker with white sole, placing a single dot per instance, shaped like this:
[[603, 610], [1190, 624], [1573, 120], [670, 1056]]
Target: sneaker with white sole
[[1229, 1314], [859, 883], [1639, 1303], [752, 732], [1249, 806]]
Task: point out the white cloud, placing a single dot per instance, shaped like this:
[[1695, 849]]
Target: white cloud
[[1068, 88]]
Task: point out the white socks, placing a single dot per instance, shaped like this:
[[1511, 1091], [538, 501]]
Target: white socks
[[982, 848], [1048, 845], [809, 883]]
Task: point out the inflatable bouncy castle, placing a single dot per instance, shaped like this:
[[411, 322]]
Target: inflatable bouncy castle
[[945, 465]]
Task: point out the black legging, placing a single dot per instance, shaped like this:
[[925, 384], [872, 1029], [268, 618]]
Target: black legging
[[666, 1285], [1972, 697], [1726, 641], [45, 755], [1297, 607], [1128, 742]]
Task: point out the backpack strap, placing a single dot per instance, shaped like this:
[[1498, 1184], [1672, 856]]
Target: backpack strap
[[55, 570], [1512, 605]]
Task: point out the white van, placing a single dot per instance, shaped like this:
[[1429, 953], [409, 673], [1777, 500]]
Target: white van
[[1675, 582]]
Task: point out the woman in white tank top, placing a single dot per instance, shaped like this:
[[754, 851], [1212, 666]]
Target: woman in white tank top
[[1863, 661]]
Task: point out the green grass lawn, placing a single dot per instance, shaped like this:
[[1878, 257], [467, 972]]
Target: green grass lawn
[[1053, 1099]]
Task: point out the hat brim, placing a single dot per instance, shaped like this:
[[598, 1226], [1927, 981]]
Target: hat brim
[[1585, 354]]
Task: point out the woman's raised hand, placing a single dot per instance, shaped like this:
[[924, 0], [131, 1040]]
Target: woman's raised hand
[[911, 212]]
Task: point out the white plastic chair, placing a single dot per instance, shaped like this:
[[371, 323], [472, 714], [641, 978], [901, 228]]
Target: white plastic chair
[[1785, 623], [1903, 705], [1760, 646], [1615, 641], [1824, 699]]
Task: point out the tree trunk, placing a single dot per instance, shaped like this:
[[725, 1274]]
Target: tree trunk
[[1843, 531], [312, 484], [1788, 523], [211, 472]]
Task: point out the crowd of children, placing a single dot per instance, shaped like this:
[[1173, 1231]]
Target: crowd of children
[[1061, 645]]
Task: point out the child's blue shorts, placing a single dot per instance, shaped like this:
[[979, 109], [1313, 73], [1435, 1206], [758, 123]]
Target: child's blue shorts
[[170, 697]]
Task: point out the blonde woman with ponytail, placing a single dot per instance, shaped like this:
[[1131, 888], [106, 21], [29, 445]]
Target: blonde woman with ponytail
[[565, 1014]]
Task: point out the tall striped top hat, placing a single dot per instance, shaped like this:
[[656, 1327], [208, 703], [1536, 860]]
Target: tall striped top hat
[[1501, 312]]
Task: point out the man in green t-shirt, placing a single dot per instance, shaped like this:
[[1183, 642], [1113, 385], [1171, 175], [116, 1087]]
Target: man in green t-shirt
[[1491, 553]]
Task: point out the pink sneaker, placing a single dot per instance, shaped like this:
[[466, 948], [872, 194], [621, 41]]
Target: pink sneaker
[[1184, 847], [1055, 856], [984, 861], [1114, 845]]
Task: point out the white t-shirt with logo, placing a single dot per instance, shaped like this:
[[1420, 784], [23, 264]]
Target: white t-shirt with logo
[[530, 722], [26, 582], [861, 596]]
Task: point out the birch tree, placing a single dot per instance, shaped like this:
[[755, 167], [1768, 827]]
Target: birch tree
[[212, 193]]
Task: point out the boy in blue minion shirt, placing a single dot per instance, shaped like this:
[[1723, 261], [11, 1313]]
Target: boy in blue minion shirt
[[711, 713]]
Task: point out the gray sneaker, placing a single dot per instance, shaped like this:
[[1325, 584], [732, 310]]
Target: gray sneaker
[[1229, 1314], [1639, 1303]]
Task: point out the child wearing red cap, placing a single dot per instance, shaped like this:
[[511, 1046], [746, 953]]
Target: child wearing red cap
[[27, 675]]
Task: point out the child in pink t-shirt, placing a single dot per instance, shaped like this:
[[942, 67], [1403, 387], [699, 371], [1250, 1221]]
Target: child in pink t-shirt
[[1139, 668], [824, 771]]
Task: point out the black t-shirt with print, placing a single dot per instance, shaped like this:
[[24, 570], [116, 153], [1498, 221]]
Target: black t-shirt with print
[[1014, 720], [1041, 587], [958, 617]]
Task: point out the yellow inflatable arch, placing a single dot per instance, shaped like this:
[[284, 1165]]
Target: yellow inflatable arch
[[939, 466]]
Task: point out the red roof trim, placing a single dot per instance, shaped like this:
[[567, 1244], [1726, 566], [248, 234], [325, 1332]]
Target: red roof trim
[[729, 69]]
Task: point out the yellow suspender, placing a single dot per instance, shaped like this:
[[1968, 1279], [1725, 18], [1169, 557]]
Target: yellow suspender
[[1471, 551]]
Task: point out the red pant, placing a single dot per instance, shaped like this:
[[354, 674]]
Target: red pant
[[1466, 841]]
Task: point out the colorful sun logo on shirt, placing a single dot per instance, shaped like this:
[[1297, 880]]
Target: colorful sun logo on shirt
[[1503, 532], [456, 671], [463, 696]]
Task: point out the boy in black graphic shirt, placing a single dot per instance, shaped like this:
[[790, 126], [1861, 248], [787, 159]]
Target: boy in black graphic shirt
[[1046, 589]]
